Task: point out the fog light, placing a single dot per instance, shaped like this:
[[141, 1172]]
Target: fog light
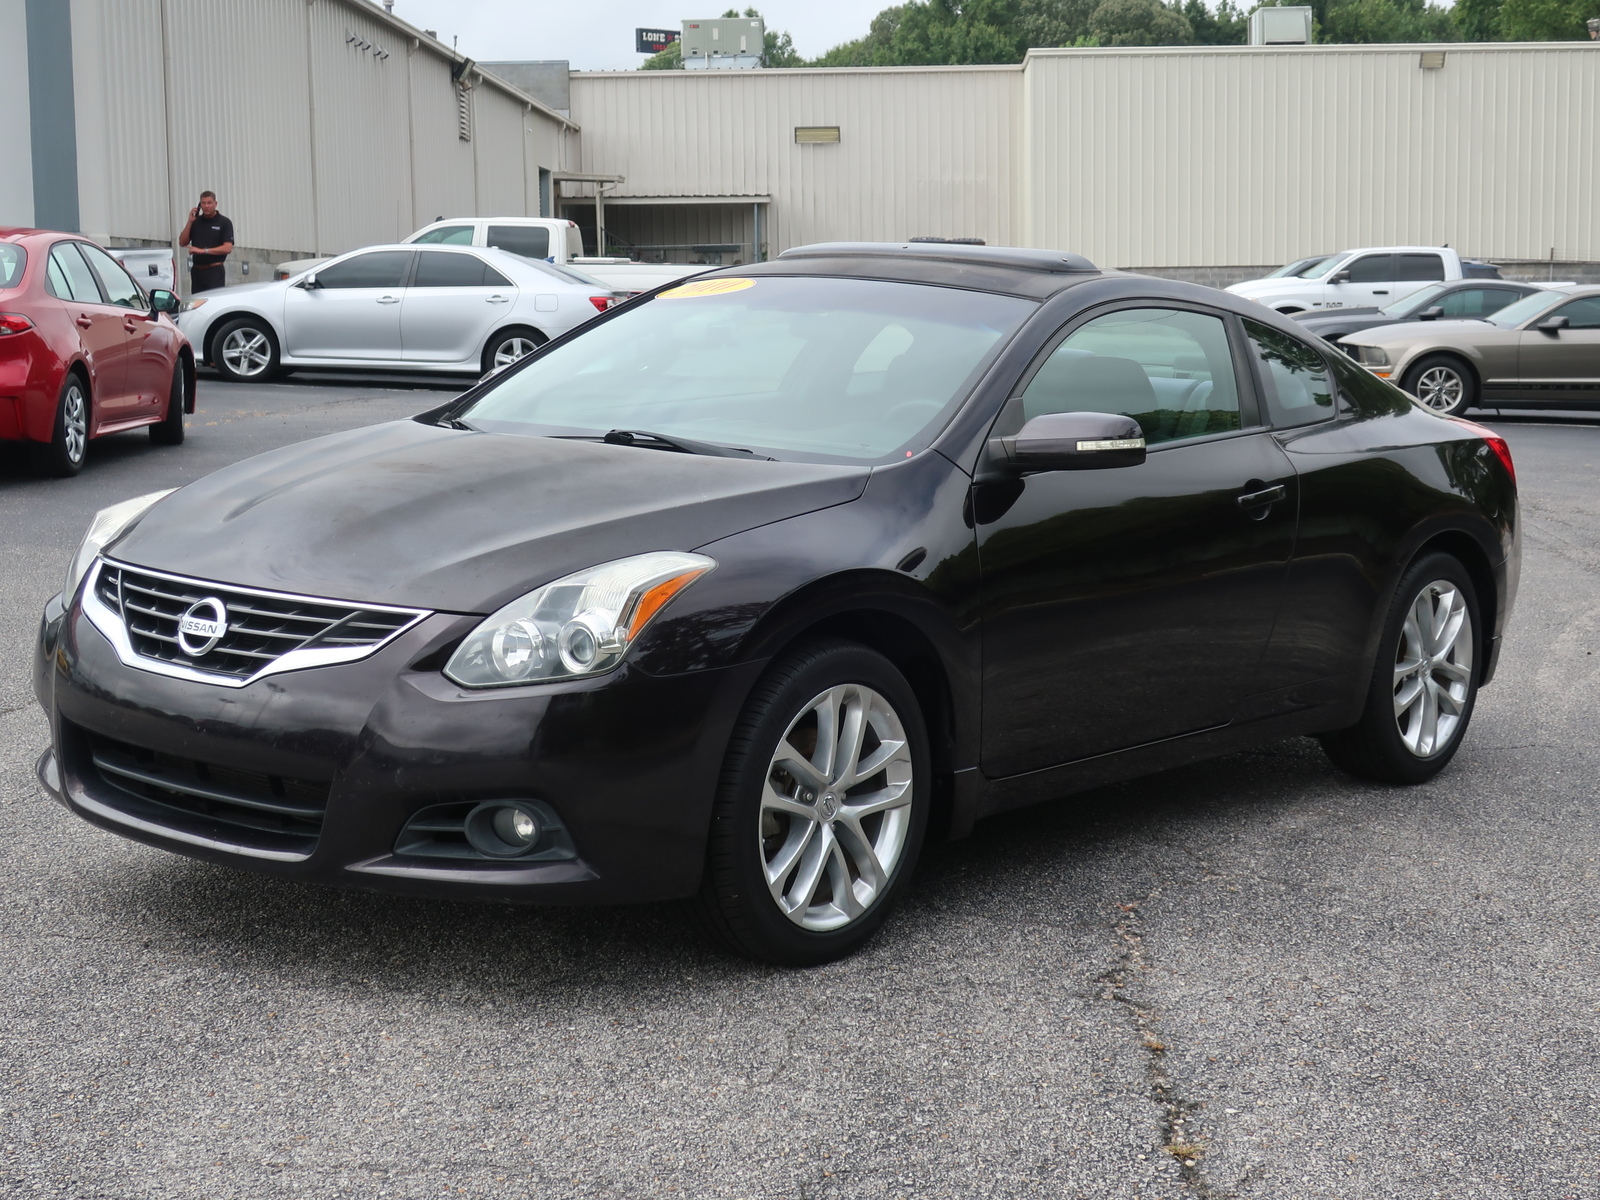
[[503, 828]]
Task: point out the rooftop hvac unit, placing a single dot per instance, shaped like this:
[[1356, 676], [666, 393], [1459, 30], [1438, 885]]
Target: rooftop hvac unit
[[728, 43], [1281, 26]]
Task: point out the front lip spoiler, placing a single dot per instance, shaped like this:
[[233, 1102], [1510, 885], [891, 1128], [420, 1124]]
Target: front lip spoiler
[[48, 772]]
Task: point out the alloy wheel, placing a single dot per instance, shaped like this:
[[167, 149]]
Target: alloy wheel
[[513, 348], [1440, 389], [246, 352], [74, 423], [1433, 669], [836, 807]]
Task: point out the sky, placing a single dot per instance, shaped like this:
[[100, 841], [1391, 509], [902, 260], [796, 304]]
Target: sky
[[597, 35]]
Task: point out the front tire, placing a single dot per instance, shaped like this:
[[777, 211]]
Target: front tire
[[1443, 383], [821, 810], [169, 430], [1425, 682], [245, 351], [62, 456]]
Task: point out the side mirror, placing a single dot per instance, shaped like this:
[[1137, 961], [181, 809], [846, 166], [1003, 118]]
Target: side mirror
[[310, 282], [1073, 441], [1339, 277], [1553, 324], [1431, 314], [163, 301]]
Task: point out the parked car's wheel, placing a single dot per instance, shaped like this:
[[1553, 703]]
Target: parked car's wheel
[[64, 453], [820, 813], [1425, 682], [169, 430], [508, 345], [245, 351], [1442, 382]]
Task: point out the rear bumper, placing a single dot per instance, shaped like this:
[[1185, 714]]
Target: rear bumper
[[629, 763]]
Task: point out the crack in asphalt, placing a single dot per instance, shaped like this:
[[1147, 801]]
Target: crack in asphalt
[[1185, 1146]]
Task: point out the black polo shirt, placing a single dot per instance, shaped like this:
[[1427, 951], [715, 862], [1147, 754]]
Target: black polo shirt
[[207, 231]]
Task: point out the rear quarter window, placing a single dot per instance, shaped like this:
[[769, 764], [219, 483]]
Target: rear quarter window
[[13, 261]]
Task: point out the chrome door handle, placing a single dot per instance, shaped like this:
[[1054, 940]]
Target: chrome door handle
[[1264, 497], [499, 299], [388, 299]]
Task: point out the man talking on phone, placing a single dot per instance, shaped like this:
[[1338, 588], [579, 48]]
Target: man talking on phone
[[209, 236]]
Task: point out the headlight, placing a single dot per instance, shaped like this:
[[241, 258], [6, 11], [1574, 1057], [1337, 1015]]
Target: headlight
[[577, 626], [1372, 356], [108, 525]]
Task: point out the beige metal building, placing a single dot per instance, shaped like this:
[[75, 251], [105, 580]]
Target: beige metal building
[[1185, 159], [322, 125]]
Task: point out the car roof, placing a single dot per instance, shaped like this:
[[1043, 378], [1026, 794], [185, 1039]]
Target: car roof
[[1010, 270]]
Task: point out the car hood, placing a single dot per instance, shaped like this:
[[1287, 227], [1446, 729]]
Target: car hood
[[1345, 322], [1414, 331], [459, 521], [1253, 288]]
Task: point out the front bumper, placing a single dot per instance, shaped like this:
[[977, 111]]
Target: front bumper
[[629, 762]]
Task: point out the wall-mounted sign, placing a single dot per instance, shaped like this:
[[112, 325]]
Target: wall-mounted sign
[[654, 41]]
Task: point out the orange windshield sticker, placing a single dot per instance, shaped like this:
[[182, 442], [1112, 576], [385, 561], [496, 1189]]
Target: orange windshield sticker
[[707, 287]]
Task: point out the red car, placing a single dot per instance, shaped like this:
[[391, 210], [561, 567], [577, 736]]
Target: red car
[[83, 351]]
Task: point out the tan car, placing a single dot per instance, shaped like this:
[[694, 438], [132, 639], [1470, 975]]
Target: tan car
[[1542, 351]]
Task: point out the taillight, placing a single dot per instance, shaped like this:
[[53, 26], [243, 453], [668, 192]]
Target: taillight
[[1497, 444], [14, 323], [600, 302]]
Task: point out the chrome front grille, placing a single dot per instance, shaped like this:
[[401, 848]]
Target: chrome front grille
[[264, 632]]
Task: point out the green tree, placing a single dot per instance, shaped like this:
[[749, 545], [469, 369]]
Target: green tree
[[1546, 20], [1228, 26], [1056, 22], [1477, 20], [669, 59], [1139, 23], [936, 33]]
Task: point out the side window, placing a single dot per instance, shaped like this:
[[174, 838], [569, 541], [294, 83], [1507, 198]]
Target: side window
[[1581, 314], [1420, 266], [80, 284], [1464, 304], [1295, 377], [119, 286], [530, 241], [1169, 369], [380, 269], [441, 268], [447, 235], [1372, 268], [1494, 299], [493, 278]]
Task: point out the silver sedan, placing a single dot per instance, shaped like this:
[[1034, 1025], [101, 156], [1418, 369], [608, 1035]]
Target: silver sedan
[[438, 309]]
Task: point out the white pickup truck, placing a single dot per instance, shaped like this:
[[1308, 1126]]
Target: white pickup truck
[[547, 238], [1374, 277]]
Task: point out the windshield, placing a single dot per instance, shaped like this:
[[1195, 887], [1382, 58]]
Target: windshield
[[803, 368], [12, 260], [1415, 302], [1531, 305], [1314, 267], [1297, 266]]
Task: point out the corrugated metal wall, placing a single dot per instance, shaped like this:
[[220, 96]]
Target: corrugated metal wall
[[1153, 157], [1179, 157], [314, 142], [920, 151]]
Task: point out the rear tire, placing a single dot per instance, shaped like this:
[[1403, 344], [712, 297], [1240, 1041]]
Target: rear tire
[[63, 455], [507, 346], [820, 814], [1443, 383], [245, 351], [1425, 681], [169, 430]]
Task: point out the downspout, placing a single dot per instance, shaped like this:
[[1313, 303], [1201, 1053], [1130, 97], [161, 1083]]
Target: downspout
[[179, 275]]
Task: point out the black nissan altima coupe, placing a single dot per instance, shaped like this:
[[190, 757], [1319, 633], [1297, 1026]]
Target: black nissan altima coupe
[[749, 587]]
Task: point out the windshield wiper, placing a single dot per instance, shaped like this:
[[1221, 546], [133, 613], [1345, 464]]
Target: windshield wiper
[[662, 441]]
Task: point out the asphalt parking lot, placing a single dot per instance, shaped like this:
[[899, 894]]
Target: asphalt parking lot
[[1253, 978]]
